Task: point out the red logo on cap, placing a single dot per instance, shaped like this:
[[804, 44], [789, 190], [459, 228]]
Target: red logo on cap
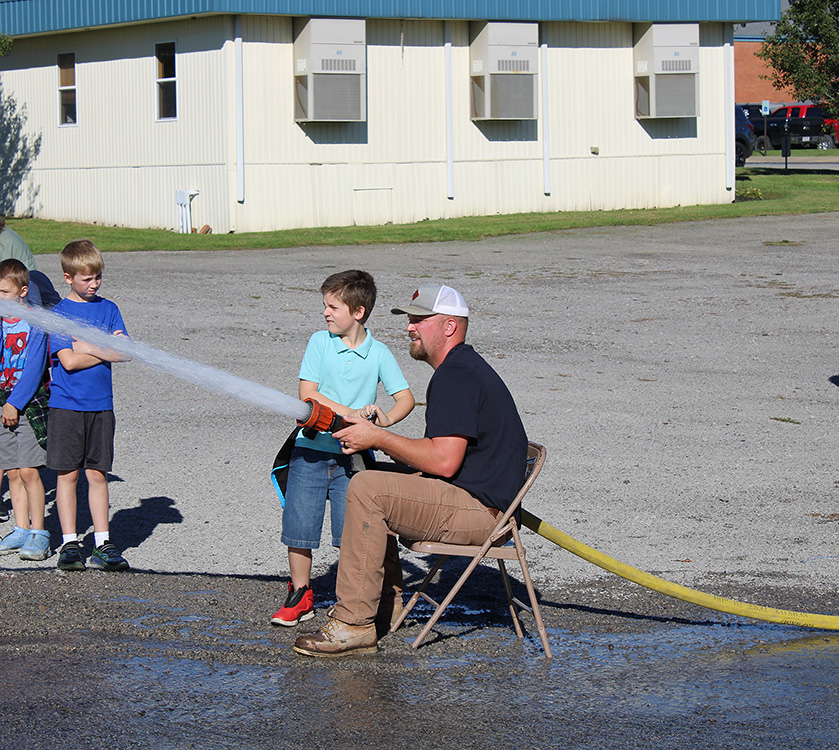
[[416, 294]]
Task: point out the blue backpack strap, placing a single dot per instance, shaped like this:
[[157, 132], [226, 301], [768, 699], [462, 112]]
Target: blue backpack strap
[[279, 471]]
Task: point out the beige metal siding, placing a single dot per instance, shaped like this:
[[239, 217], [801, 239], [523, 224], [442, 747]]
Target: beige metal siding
[[120, 165], [640, 164]]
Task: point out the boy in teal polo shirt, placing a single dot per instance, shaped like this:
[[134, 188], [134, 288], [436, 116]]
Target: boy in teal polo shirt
[[342, 368]]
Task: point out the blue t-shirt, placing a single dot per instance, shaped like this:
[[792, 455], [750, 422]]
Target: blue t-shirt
[[347, 376], [90, 389], [466, 397]]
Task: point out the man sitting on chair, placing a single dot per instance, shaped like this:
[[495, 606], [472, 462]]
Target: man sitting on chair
[[470, 465]]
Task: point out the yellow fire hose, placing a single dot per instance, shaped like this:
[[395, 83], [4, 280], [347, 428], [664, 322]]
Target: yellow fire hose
[[719, 603]]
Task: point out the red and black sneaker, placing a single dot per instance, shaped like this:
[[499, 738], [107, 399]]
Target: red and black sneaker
[[299, 606]]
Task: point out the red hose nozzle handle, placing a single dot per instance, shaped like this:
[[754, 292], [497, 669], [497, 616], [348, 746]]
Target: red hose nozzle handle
[[322, 418]]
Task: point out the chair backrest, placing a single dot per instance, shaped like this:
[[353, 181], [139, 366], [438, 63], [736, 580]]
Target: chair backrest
[[535, 460]]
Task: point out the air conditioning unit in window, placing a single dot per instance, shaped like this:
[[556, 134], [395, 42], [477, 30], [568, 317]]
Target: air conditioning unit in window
[[666, 58], [504, 62], [330, 70]]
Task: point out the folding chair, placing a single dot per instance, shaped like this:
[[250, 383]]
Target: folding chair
[[504, 530]]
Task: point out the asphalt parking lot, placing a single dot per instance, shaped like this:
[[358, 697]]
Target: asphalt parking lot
[[685, 381]]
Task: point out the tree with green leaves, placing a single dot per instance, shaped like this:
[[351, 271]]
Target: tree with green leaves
[[803, 52], [5, 45]]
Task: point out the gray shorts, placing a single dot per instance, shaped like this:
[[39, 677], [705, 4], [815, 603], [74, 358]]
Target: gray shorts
[[19, 448], [80, 440]]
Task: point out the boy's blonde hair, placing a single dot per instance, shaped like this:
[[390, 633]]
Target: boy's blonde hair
[[356, 289], [81, 256], [13, 270]]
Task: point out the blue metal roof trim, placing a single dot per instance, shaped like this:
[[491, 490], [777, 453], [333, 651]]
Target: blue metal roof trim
[[24, 17]]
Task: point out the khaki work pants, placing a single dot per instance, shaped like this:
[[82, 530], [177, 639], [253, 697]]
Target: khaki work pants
[[382, 505]]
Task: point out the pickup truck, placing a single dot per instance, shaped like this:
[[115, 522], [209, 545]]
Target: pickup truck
[[806, 125]]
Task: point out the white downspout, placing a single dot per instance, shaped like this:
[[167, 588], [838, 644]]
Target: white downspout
[[240, 112], [728, 67], [449, 115], [546, 122]]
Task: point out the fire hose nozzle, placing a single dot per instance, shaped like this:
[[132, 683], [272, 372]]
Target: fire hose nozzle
[[322, 418]]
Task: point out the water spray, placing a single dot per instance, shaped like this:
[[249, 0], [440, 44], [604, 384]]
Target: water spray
[[308, 414]]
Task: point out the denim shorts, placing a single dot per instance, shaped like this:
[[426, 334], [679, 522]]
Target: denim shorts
[[314, 476]]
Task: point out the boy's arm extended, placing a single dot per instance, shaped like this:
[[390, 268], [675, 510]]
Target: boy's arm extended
[[84, 355], [404, 404]]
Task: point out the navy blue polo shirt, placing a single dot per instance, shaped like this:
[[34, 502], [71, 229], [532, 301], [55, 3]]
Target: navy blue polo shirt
[[466, 397]]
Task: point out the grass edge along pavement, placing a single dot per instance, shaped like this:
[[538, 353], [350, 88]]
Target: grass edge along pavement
[[763, 192]]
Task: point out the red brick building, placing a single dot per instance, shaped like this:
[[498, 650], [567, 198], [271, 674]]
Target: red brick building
[[752, 77]]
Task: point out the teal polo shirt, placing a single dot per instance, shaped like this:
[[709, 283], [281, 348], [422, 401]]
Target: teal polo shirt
[[347, 376]]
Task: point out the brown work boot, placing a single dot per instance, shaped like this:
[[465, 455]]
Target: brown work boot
[[337, 638]]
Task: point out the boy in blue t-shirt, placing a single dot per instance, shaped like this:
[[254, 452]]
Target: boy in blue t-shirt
[[81, 416], [23, 435], [341, 369]]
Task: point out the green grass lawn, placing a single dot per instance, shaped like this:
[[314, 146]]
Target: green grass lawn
[[762, 192]]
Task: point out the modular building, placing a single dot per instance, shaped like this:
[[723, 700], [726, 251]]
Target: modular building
[[250, 115]]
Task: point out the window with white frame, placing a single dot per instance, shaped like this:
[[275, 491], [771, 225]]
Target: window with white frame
[[67, 88], [167, 100]]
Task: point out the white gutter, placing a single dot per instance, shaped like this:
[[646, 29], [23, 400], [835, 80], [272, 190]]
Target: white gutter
[[728, 68], [546, 123], [240, 112], [449, 114]]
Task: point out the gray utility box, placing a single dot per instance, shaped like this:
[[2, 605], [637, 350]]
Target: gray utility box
[[330, 70], [666, 61], [504, 60]]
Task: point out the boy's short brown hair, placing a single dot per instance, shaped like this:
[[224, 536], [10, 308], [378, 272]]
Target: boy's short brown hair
[[13, 270], [81, 256], [356, 289]]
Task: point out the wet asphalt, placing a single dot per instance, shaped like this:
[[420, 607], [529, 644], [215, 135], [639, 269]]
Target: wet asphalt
[[144, 659], [684, 380]]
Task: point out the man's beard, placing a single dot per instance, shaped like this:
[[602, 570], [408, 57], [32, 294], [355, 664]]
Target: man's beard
[[417, 350]]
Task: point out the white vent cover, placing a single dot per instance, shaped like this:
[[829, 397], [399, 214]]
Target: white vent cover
[[504, 63], [666, 60], [330, 70]]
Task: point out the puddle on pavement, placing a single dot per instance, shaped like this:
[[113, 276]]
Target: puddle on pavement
[[727, 679], [189, 679]]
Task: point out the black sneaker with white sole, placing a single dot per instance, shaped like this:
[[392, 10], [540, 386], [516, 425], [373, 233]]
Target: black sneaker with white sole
[[107, 557]]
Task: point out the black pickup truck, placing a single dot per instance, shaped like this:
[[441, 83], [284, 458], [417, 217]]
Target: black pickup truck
[[806, 125]]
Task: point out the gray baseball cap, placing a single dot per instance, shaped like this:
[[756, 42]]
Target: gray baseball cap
[[433, 299]]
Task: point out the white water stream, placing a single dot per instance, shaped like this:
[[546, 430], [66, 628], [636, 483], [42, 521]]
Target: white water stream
[[205, 376]]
